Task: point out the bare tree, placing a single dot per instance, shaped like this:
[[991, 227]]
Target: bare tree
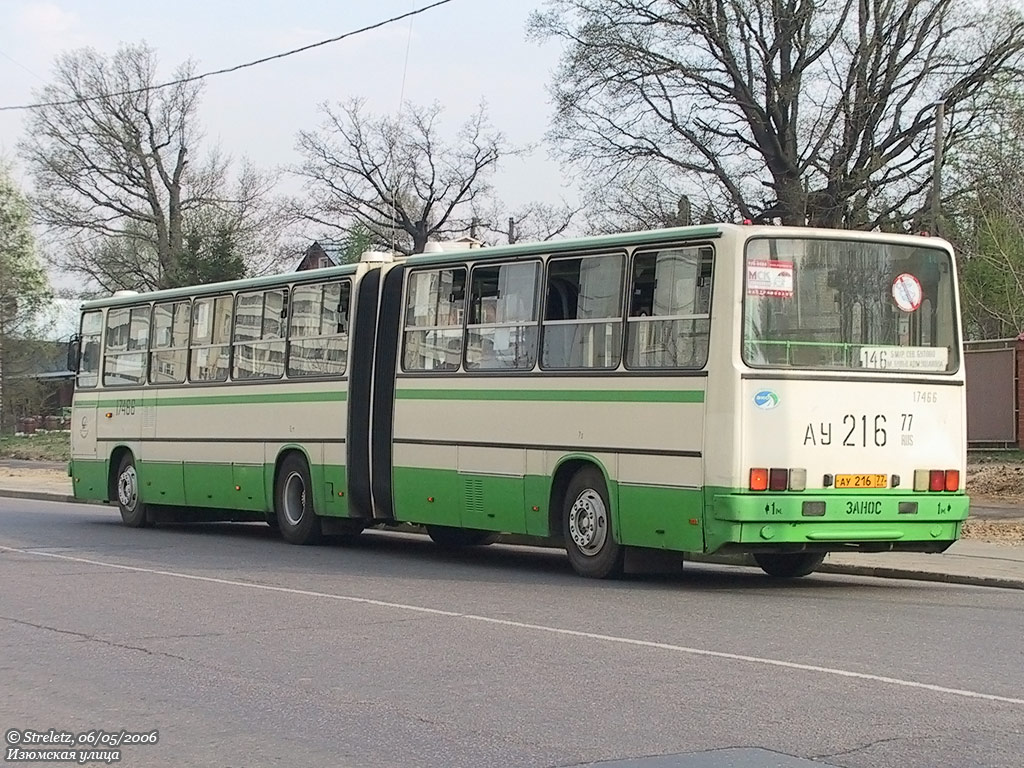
[[649, 201], [115, 169], [802, 111], [397, 177], [534, 222]]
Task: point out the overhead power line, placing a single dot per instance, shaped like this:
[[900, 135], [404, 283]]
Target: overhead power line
[[226, 70]]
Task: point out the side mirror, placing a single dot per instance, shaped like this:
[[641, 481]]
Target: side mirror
[[74, 353]]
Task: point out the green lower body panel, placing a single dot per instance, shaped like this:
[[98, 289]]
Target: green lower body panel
[[644, 516], [333, 482], [208, 485], [245, 487], [832, 521], [662, 518], [428, 496], [89, 479], [162, 482]]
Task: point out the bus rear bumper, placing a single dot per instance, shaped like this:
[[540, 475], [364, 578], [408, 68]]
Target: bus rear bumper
[[830, 522]]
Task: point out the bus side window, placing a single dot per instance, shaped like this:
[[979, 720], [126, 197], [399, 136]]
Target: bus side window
[[89, 366], [583, 316], [435, 305], [125, 353], [259, 335], [211, 334], [502, 329], [318, 329], [168, 357], [670, 309]]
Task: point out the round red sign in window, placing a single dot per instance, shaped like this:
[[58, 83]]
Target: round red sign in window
[[907, 293]]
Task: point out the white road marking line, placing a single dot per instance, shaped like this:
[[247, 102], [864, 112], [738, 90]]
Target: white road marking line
[[535, 627]]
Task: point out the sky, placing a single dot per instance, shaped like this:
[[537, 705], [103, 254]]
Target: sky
[[458, 54]]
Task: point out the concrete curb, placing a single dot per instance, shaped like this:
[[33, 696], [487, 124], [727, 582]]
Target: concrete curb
[[936, 576], [10, 493], [848, 570]]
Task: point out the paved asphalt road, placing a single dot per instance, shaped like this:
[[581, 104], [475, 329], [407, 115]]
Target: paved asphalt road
[[244, 651]]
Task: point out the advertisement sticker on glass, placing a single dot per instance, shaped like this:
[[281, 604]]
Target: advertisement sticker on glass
[[770, 278]]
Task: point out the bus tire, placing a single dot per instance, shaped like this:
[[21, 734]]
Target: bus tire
[[789, 565], [455, 538], [587, 527], [134, 513], [293, 501]]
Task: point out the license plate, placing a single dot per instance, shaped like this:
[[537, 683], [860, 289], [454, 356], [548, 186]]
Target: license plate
[[862, 481]]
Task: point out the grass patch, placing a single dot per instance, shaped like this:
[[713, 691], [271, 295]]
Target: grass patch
[[44, 446]]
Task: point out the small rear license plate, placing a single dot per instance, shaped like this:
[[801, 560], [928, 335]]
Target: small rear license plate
[[862, 481]]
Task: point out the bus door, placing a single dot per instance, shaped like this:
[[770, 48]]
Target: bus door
[[83, 406]]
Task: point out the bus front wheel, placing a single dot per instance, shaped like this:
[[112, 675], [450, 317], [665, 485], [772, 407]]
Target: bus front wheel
[[587, 527], [293, 500], [134, 513], [789, 565]]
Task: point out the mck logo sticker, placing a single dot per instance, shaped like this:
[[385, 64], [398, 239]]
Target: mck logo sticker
[[766, 400]]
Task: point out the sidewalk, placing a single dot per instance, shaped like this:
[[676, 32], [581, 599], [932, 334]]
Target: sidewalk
[[968, 561]]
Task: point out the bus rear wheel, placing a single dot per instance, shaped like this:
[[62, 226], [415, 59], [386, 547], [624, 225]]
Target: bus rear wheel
[[587, 527], [293, 501], [134, 513], [454, 538], [789, 565]]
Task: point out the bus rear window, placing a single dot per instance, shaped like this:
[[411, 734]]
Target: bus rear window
[[849, 304]]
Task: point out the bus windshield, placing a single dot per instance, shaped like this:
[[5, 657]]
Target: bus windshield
[[848, 304]]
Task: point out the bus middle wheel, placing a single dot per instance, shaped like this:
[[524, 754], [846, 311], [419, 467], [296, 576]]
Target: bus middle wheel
[[293, 501]]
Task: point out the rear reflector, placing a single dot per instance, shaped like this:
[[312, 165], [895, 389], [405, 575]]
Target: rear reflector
[[908, 508], [952, 479], [778, 479], [759, 479], [813, 508], [936, 480]]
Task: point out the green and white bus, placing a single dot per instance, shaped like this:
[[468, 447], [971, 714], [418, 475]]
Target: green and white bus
[[772, 391]]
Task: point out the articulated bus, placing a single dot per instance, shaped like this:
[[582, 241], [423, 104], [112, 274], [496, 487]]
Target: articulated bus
[[776, 392]]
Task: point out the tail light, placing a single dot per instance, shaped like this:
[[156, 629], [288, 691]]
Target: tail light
[[759, 479], [777, 479], [797, 479], [936, 480], [952, 479]]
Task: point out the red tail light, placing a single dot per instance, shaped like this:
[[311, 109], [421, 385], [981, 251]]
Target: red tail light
[[936, 480], [759, 479], [952, 479]]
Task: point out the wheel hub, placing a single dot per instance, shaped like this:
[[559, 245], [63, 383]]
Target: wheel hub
[[128, 488], [294, 498], [588, 522]]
